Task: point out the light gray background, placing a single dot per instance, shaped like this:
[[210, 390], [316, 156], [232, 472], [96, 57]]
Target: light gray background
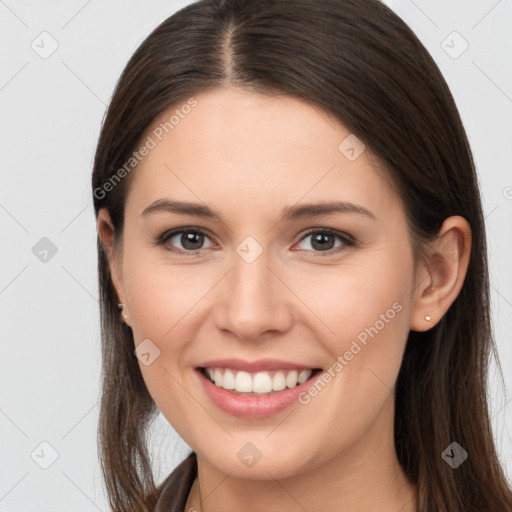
[[51, 110]]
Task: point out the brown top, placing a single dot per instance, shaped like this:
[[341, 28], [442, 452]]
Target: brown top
[[175, 489]]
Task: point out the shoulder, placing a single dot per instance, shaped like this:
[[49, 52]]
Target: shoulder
[[174, 490]]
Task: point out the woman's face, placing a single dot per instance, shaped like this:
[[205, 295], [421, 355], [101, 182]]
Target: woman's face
[[261, 282]]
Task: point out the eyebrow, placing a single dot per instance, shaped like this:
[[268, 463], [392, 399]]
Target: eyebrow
[[296, 212]]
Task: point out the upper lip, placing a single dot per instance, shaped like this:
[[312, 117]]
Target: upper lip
[[254, 366]]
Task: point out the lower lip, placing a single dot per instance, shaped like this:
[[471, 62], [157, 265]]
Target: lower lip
[[251, 406]]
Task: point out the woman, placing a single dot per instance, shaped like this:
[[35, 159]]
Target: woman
[[292, 267]]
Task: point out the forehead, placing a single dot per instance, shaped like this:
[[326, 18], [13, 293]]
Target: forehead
[[256, 150]]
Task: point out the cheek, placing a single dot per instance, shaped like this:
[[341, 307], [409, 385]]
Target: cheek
[[163, 302], [162, 295], [365, 312]]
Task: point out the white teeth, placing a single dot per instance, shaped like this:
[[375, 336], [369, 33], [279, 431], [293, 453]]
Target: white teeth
[[278, 381], [303, 376], [291, 379], [260, 382], [243, 382], [228, 380]]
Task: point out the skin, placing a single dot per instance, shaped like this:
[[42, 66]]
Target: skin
[[247, 156]]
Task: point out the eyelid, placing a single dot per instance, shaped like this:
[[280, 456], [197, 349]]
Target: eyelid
[[341, 234], [348, 240]]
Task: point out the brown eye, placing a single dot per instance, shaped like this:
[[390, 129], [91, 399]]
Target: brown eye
[[185, 240], [322, 240]]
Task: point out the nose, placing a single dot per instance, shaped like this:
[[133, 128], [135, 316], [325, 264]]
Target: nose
[[253, 301]]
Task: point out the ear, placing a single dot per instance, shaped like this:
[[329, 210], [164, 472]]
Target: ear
[[441, 280], [106, 235]]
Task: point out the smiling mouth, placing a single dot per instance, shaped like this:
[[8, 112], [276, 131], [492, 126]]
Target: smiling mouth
[[263, 383]]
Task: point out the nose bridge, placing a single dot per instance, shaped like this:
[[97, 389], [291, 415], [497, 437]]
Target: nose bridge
[[253, 298], [251, 279]]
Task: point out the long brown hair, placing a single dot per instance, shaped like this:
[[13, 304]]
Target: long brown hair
[[360, 62]]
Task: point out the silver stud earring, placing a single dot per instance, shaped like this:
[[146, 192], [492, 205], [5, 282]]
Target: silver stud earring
[[121, 307], [428, 318]]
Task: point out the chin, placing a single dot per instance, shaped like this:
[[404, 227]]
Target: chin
[[259, 460]]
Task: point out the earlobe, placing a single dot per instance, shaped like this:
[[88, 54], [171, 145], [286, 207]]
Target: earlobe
[[441, 282], [121, 308]]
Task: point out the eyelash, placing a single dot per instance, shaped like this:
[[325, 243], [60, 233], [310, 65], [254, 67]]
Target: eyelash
[[347, 240]]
